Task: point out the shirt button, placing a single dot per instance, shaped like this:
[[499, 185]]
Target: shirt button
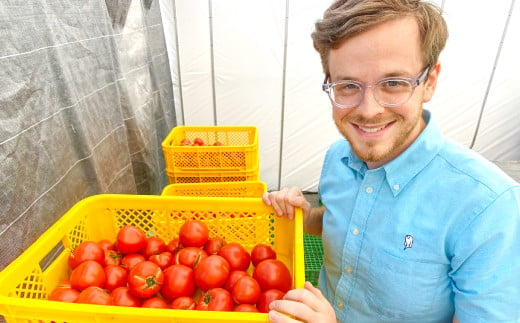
[[355, 232], [396, 187], [340, 305], [349, 270], [369, 190]]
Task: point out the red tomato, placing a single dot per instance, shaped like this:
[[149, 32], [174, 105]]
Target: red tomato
[[123, 297], [193, 233], [246, 290], [214, 245], [86, 274], [233, 277], [130, 260], [95, 295], [267, 297], [183, 303], [272, 273], [173, 246], [154, 246], [64, 294], [215, 299], [130, 239], [218, 143], [246, 308], [178, 281], [112, 257], [262, 252], [185, 142], [236, 255], [87, 250], [154, 302], [198, 142], [163, 260], [116, 276], [211, 272], [106, 244], [145, 279], [190, 256]]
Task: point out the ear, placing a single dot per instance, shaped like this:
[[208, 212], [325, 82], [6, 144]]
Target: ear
[[431, 82]]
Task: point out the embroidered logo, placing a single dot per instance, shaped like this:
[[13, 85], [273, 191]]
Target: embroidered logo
[[408, 241]]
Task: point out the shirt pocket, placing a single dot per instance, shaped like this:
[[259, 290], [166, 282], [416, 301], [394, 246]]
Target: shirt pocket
[[407, 288]]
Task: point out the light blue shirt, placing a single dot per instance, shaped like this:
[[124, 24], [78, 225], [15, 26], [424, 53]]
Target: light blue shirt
[[432, 233]]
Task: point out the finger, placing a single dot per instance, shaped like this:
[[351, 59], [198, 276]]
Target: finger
[[277, 317], [298, 311]]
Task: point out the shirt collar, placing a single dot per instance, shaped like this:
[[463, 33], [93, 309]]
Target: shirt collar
[[408, 164]]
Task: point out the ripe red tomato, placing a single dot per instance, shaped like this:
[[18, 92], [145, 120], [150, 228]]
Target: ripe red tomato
[[236, 255], [154, 302], [190, 256], [211, 272], [64, 294], [246, 290], [193, 233], [87, 250], [262, 252], [112, 257], [214, 245], [246, 308], [154, 246], [95, 295], [267, 297], [173, 246], [106, 244], [272, 273], [178, 281], [233, 277], [122, 297], [130, 260], [185, 142], [130, 239], [198, 142], [218, 143], [145, 279], [163, 260], [183, 303], [116, 276], [86, 274], [215, 299]]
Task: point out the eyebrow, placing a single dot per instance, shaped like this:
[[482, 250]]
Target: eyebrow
[[398, 73]]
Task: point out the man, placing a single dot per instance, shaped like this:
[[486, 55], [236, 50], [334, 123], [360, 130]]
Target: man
[[415, 227]]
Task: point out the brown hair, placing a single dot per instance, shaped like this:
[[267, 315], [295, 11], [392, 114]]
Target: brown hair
[[347, 18]]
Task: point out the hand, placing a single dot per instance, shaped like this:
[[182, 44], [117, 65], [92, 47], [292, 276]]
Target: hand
[[304, 305], [285, 200]]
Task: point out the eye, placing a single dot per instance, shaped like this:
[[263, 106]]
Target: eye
[[346, 87], [394, 85]]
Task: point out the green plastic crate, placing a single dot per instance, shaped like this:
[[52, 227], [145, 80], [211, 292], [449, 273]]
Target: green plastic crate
[[313, 257]]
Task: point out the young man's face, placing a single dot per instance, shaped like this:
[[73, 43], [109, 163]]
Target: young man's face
[[376, 133]]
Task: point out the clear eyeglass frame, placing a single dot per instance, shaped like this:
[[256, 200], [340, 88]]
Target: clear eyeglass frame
[[412, 82]]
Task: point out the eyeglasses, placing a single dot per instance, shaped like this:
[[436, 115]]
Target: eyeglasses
[[389, 92]]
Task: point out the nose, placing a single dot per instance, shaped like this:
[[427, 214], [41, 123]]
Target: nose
[[369, 107]]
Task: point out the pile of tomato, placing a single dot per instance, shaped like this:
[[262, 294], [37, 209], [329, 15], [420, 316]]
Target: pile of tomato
[[198, 142], [192, 271]]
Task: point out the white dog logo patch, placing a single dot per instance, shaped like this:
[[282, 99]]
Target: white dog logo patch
[[408, 241]]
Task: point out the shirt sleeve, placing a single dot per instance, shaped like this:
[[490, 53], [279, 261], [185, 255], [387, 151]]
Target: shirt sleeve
[[486, 263]]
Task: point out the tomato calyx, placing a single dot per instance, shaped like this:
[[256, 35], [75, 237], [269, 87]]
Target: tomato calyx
[[150, 281]]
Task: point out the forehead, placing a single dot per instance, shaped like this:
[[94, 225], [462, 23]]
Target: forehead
[[390, 48]]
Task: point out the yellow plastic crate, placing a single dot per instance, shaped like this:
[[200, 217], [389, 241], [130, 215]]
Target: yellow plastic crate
[[202, 176], [239, 151], [218, 189], [26, 283]]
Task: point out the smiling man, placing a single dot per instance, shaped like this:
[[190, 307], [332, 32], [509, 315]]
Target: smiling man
[[415, 227]]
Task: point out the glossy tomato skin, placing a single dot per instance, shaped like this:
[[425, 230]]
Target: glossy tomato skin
[[130, 260], [198, 142], [190, 256], [86, 274], [183, 303], [163, 260], [130, 239], [273, 273], [178, 281], [193, 233], [116, 276], [87, 250], [211, 272], [246, 308], [185, 142], [122, 297], [106, 244], [236, 255], [112, 257], [215, 299], [213, 245], [262, 252], [173, 246], [267, 297], [145, 279], [154, 246], [64, 294], [233, 277], [154, 302], [95, 295], [246, 291]]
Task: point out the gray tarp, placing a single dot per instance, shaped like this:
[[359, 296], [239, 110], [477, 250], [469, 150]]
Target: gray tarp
[[85, 101]]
